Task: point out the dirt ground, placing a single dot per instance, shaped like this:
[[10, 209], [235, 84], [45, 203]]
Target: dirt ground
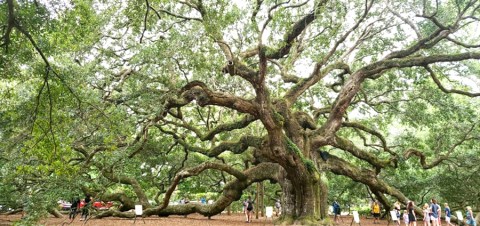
[[190, 220]]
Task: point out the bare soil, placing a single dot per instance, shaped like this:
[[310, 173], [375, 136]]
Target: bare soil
[[190, 220]]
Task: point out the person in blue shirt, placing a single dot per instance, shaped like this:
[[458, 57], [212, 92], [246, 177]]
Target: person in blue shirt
[[336, 211], [448, 214], [435, 208], [470, 218]]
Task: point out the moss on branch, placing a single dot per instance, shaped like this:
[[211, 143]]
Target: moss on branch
[[293, 148]]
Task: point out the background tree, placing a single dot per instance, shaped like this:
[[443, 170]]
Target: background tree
[[135, 101]]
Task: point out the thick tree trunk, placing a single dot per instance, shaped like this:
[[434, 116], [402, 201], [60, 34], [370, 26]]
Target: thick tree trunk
[[300, 182], [304, 201]]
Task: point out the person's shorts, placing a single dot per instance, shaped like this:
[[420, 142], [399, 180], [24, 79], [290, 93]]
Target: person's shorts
[[376, 215], [471, 222], [447, 219], [433, 218]]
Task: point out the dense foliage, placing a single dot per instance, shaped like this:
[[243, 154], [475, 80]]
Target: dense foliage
[[151, 101]]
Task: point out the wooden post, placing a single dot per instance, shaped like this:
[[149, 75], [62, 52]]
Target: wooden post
[[257, 201]]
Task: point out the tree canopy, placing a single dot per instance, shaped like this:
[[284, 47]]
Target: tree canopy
[[140, 102]]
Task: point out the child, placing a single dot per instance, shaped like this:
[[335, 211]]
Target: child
[[405, 217], [426, 215], [396, 206]]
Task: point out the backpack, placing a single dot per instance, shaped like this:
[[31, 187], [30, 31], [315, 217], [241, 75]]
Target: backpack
[[75, 203], [249, 206], [336, 208]]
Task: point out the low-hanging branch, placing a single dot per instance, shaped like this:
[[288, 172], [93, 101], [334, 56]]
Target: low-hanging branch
[[368, 177], [350, 147], [232, 190], [194, 171], [127, 203], [137, 188]]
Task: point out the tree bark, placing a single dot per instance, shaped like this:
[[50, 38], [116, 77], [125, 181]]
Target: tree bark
[[302, 200]]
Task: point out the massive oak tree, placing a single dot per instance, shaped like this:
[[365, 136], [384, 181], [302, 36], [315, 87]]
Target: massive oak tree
[[128, 100]]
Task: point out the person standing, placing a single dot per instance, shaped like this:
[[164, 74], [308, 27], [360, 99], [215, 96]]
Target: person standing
[[435, 212], [396, 207], [73, 209], [88, 199], [426, 215], [470, 218], [249, 209], [448, 214], [336, 211], [376, 212], [405, 217], [245, 204], [439, 214], [412, 219], [278, 207]]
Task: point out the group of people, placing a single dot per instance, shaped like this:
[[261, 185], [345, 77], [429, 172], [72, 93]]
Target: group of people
[[76, 206], [432, 213]]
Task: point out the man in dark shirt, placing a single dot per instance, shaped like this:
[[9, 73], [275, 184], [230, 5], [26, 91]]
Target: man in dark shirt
[[74, 208], [88, 199]]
